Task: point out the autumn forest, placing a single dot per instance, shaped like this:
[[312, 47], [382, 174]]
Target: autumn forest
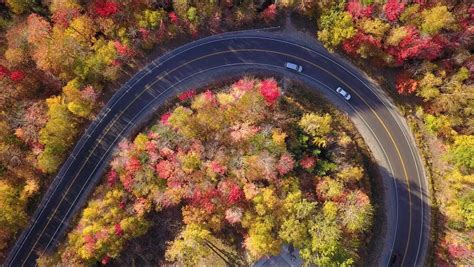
[[242, 168]]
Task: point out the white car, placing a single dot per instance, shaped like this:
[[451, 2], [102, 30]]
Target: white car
[[344, 93], [293, 66]]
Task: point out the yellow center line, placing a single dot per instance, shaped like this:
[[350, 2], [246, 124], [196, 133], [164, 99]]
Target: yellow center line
[[187, 63], [386, 129]]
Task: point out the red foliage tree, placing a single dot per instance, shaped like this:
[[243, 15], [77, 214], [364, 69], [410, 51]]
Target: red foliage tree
[[418, 48], [414, 46], [173, 17], [89, 241], [405, 84], [133, 165], [106, 8], [410, 38], [105, 260], [164, 169], [127, 182], [205, 199], [393, 9], [357, 10], [308, 162], [118, 229], [151, 147], [116, 63], [112, 177], [164, 118], [269, 14], [230, 192], [361, 198], [285, 164], [17, 76], [210, 97], [123, 50], [167, 153], [187, 95], [63, 16], [217, 168], [353, 44], [270, 91], [430, 49], [235, 195], [458, 251]]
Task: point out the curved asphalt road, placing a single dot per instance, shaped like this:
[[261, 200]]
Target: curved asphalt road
[[406, 192]]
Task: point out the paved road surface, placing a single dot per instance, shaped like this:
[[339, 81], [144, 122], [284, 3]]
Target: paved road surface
[[407, 206]]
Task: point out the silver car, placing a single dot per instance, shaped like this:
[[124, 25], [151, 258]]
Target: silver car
[[293, 66], [344, 93]]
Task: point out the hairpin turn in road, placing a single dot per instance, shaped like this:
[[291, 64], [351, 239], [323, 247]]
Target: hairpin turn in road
[[406, 196]]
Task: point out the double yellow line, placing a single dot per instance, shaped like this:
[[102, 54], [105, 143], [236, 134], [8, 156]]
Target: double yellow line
[[385, 128], [159, 78]]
